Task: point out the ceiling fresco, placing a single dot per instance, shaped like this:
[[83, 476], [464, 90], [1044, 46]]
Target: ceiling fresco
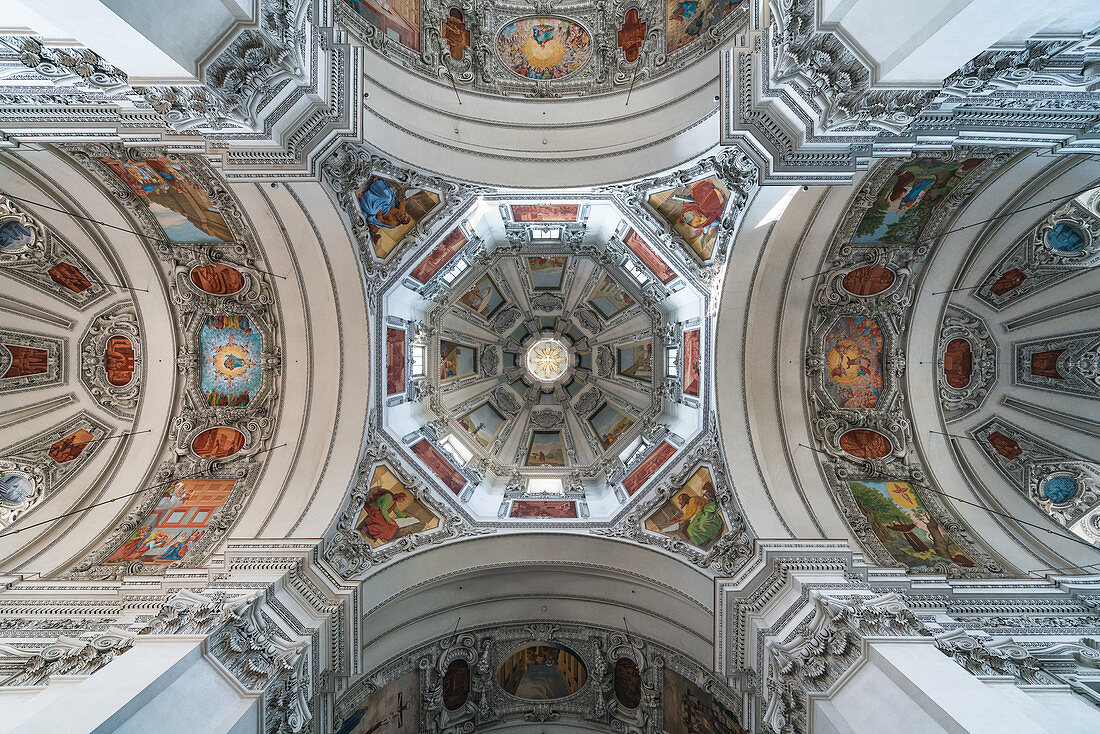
[[579, 48]]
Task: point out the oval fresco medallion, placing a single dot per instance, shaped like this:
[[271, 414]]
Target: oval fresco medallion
[[542, 672], [958, 362], [118, 359], [456, 685], [1060, 488], [1065, 238], [14, 235], [217, 280], [15, 487], [863, 443], [543, 47], [218, 443], [869, 280], [628, 683]]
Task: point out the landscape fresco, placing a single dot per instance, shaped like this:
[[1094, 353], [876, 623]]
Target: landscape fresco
[[390, 511], [636, 360], [484, 298], [853, 357], [689, 20], [176, 523], [392, 709], [391, 210], [610, 424], [546, 509], [543, 48], [230, 353], [483, 423], [545, 212], [649, 466], [439, 256], [900, 520], [608, 298], [456, 360], [546, 273], [547, 448], [649, 258], [691, 514], [398, 20], [904, 204], [689, 709], [177, 201], [542, 672], [439, 466], [695, 212], [395, 361]]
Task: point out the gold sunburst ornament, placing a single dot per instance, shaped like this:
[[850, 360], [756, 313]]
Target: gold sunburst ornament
[[547, 360]]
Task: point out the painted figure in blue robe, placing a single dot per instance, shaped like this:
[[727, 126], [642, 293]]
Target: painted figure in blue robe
[[380, 205], [686, 9], [14, 235], [1065, 238], [542, 33]]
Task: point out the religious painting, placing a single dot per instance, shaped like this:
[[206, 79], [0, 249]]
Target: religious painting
[[456, 360], [692, 380], [230, 349], [390, 511], [118, 360], [688, 20], [1065, 238], [636, 360], [863, 443], [14, 235], [25, 361], [649, 258], [543, 672], [456, 684], [69, 276], [688, 709], [391, 210], [1043, 364], [628, 683], [610, 424], [695, 212], [904, 204], [545, 212], [1059, 488], [904, 525], [219, 442], [853, 358], [609, 298], [439, 256], [217, 280], [547, 448], [1005, 446], [177, 522], [484, 298], [175, 198], [543, 47], [395, 361], [870, 280], [544, 509], [398, 20], [483, 423], [439, 466], [15, 487], [71, 446], [631, 35], [692, 513], [1008, 281], [455, 34], [958, 362], [546, 273], [649, 466], [392, 709]]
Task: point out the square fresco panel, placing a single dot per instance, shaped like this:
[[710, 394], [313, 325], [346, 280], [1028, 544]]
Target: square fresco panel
[[456, 360], [395, 361], [177, 522], [392, 709], [904, 204], [608, 298], [649, 466], [483, 423], [392, 209], [900, 520], [692, 379], [691, 514], [547, 509], [230, 351], [440, 256], [439, 466], [484, 298], [649, 258], [175, 198], [390, 511], [546, 273], [545, 212], [695, 212], [689, 20], [610, 424], [547, 448], [688, 709], [853, 354], [636, 360], [398, 20]]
